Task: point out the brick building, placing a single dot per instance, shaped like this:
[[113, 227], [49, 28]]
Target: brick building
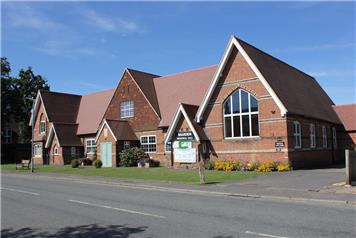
[[251, 106], [347, 115]]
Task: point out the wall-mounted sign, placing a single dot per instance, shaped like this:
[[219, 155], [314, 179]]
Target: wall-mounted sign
[[279, 145], [185, 135]]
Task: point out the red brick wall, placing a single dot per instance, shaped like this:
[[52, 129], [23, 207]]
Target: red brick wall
[[56, 159], [160, 153], [144, 116], [238, 74], [108, 138]]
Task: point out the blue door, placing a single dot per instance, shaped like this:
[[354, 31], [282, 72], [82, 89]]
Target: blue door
[[106, 154]]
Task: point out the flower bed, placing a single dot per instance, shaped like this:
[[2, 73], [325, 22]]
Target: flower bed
[[229, 166]]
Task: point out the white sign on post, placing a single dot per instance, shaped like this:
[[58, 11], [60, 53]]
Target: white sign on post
[[185, 155]]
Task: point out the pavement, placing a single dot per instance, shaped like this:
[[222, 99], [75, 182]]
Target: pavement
[[42, 205]]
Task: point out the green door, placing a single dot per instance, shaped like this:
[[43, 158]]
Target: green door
[[105, 154]]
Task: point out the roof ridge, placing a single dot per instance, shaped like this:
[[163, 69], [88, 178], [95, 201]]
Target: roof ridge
[[275, 58], [187, 71], [130, 69], [54, 92]]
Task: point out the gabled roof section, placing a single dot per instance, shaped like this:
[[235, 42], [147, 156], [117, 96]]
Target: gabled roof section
[[61, 107], [293, 91], [188, 111], [187, 87], [347, 115], [65, 133], [91, 111], [121, 130], [145, 83]]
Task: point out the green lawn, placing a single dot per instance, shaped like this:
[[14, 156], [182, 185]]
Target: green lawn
[[160, 173]]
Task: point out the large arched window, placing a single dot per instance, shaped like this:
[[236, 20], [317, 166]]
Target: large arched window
[[241, 115]]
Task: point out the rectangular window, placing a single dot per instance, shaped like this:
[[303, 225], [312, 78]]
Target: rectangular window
[[72, 152], [55, 151], [42, 127], [7, 135], [127, 109], [90, 146], [312, 135], [228, 132], [168, 147], [204, 149], [148, 143], [297, 135], [325, 137], [334, 138], [126, 145], [37, 150]]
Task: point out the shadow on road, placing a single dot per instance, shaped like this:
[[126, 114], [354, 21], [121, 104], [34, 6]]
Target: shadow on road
[[88, 231]]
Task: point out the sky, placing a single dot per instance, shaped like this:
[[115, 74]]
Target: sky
[[82, 47]]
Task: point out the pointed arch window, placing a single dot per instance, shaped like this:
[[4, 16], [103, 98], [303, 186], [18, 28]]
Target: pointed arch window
[[241, 115]]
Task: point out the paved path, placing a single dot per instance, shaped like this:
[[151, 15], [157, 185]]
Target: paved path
[[47, 207]]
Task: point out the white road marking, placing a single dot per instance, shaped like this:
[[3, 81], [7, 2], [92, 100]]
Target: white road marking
[[117, 209], [20, 191], [264, 235]]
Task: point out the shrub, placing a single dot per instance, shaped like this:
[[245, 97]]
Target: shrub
[[75, 163], [219, 165], [97, 163], [237, 166], [265, 167], [253, 166], [87, 161], [209, 165], [284, 167], [130, 157]]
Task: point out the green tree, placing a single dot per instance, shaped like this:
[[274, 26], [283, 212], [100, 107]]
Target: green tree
[[16, 97]]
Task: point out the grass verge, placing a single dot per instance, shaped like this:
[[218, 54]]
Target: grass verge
[[160, 173]]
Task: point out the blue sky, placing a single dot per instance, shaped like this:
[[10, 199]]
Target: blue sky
[[81, 47]]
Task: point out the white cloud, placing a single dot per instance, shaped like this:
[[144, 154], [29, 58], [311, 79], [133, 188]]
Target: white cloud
[[110, 24]]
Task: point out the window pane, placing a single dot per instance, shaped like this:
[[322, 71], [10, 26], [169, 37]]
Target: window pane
[[235, 102], [254, 104], [237, 131], [144, 139], [244, 101], [245, 125], [227, 106], [254, 124], [228, 127], [145, 148], [152, 139]]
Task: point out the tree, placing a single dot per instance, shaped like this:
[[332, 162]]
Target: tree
[[16, 97]]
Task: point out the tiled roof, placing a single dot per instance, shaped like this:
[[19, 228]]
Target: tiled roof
[[67, 134], [122, 130], [299, 92], [347, 115], [187, 87], [191, 111]]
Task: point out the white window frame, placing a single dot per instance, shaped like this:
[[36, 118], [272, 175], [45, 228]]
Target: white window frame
[[42, 123], [7, 135], [148, 143], [127, 109], [37, 148], [325, 137], [93, 145], [127, 144], [334, 138], [73, 151], [55, 151], [240, 114], [312, 135], [170, 148], [297, 135]]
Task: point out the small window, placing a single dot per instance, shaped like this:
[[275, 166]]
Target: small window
[[7, 135], [312, 135], [73, 152], [127, 109], [55, 151], [297, 135], [90, 146], [42, 127], [37, 150], [126, 145], [325, 137], [168, 147], [148, 143], [204, 148], [334, 138]]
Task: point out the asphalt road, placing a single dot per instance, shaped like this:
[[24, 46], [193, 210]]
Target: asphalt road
[[52, 208]]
